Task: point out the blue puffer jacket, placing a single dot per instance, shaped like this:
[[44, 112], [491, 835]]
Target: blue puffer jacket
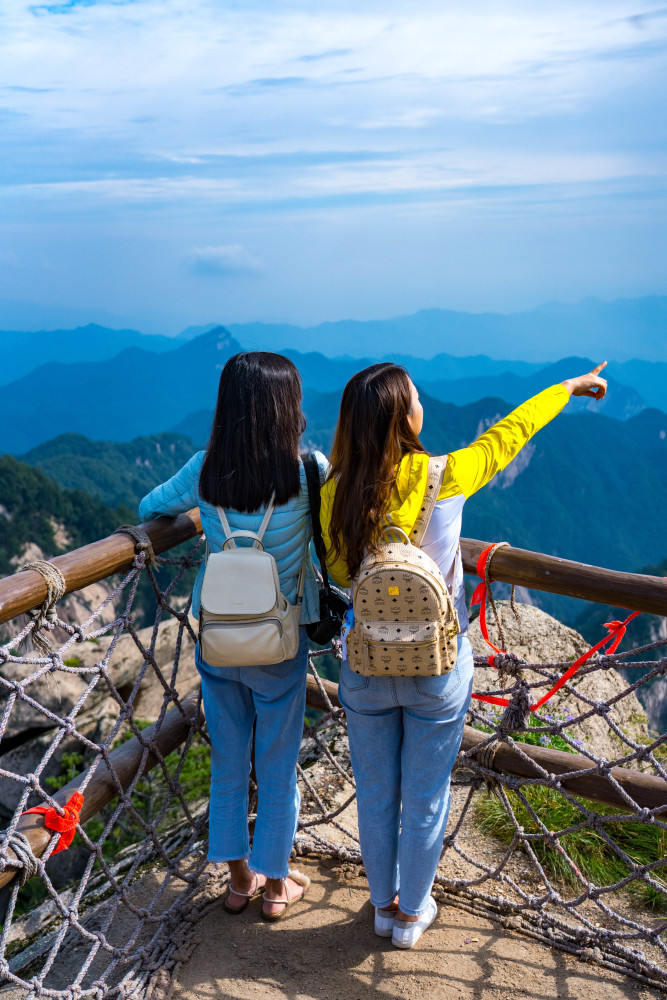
[[287, 537]]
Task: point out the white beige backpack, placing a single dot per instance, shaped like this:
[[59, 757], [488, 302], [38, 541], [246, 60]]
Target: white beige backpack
[[245, 620], [405, 622]]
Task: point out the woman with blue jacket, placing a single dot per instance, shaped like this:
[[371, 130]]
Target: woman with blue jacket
[[252, 456]]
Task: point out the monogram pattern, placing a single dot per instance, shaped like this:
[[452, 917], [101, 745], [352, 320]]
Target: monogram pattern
[[405, 621]]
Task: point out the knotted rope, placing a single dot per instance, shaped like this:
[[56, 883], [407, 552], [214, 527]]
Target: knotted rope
[[142, 542], [25, 860], [490, 552], [45, 618]]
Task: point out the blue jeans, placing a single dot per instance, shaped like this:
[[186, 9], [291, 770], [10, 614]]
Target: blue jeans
[[405, 733], [234, 697]]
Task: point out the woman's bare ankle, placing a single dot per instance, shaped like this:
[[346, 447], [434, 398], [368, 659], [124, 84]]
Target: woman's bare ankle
[[241, 876], [410, 917], [275, 887], [393, 906]]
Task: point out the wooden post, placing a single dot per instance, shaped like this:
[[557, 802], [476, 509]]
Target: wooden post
[[23, 591]]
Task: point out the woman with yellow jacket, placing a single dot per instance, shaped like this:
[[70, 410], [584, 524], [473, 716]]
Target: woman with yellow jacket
[[404, 731]]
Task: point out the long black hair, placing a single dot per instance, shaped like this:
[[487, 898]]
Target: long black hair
[[253, 451]]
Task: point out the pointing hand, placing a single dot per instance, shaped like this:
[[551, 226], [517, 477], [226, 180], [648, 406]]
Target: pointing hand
[[588, 385]]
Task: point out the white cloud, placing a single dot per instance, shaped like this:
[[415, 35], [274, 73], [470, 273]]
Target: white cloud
[[221, 262], [298, 129]]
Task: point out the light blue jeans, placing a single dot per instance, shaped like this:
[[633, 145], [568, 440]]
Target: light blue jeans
[[405, 733], [234, 697]]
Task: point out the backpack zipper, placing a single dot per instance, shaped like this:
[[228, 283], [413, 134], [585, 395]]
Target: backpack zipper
[[254, 624]]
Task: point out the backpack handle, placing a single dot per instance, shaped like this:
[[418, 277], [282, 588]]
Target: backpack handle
[[257, 538], [241, 533], [394, 528]]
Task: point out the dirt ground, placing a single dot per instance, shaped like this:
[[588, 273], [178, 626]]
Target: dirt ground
[[325, 949]]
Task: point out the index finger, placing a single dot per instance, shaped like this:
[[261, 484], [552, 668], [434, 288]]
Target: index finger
[[596, 371]]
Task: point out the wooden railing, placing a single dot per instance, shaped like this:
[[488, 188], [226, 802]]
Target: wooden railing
[[534, 570], [91, 563]]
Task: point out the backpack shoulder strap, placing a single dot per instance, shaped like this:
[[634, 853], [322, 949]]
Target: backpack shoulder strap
[[312, 470], [435, 472], [257, 536]]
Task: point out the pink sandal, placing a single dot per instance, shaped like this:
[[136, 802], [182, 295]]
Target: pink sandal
[[301, 880], [248, 896]]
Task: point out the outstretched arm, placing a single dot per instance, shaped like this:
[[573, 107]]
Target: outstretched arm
[[471, 468], [178, 495]]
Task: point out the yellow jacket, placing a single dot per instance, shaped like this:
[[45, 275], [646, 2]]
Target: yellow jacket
[[467, 470]]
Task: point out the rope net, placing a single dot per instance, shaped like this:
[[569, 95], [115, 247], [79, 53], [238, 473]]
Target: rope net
[[101, 728]]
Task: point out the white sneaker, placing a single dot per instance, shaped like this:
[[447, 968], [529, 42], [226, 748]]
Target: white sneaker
[[406, 933], [384, 922]]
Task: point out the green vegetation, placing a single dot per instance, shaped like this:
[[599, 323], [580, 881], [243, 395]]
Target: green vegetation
[[586, 847], [589, 851], [116, 473], [72, 765], [33, 508], [537, 733], [150, 794]]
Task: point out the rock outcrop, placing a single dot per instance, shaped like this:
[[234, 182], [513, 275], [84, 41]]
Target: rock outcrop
[[29, 733], [538, 638]]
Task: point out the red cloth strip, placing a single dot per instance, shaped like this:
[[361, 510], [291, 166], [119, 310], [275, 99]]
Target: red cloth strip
[[64, 825], [480, 596], [615, 629], [616, 632]]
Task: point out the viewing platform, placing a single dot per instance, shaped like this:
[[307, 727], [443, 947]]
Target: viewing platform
[[552, 880]]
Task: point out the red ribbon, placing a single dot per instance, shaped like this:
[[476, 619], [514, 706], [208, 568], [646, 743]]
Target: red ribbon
[[616, 631], [64, 825], [480, 597]]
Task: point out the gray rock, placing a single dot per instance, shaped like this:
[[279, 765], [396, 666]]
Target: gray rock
[[58, 691], [539, 638]]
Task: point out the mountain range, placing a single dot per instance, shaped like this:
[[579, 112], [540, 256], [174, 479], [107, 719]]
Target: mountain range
[[111, 420], [622, 330], [587, 487], [21, 353], [139, 392]]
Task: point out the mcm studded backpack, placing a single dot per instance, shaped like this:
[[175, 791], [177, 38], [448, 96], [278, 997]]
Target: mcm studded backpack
[[405, 622]]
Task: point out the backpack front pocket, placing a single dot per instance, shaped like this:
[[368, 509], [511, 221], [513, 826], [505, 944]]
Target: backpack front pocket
[[249, 644], [377, 657]]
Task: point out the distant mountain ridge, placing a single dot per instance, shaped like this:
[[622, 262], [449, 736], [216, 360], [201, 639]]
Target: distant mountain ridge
[[621, 401], [138, 392], [21, 353], [115, 472], [133, 394], [622, 330]]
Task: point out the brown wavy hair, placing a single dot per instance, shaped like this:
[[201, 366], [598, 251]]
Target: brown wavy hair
[[372, 436]]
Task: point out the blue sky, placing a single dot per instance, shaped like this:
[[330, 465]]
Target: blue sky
[[165, 163]]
